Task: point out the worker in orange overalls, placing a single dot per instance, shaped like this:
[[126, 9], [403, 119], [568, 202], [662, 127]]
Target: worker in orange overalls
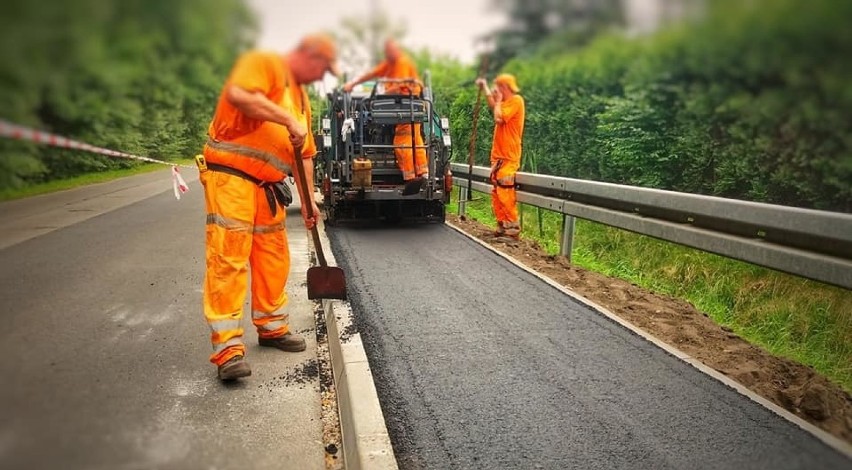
[[508, 108], [398, 65], [263, 116]]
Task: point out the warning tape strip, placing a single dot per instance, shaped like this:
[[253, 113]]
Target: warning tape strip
[[18, 132]]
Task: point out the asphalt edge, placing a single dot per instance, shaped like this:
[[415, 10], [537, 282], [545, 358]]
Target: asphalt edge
[[366, 442], [831, 441]]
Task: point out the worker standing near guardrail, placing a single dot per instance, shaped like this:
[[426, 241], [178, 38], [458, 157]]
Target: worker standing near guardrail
[[398, 65], [509, 112], [262, 117]]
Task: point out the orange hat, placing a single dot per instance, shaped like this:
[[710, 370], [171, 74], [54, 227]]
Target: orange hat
[[322, 45], [508, 80]]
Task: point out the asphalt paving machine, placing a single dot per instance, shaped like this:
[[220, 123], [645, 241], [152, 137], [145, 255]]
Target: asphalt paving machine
[[357, 170]]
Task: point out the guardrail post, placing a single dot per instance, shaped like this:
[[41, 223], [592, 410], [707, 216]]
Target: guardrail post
[[462, 200], [567, 244]]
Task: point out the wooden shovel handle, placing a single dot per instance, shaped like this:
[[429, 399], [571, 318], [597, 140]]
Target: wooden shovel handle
[[305, 196]]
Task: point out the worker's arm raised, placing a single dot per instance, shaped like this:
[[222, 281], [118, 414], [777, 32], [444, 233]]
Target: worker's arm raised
[[257, 106], [363, 78], [497, 98], [379, 71], [488, 96]]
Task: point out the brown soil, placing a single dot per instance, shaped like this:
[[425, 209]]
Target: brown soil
[[793, 386]]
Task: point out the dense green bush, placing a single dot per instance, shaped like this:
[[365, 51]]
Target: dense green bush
[[752, 102], [141, 76]]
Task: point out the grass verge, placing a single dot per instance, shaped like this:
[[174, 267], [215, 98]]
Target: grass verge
[[8, 194]]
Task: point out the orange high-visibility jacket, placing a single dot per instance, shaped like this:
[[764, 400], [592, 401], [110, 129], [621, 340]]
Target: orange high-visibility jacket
[[403, 68], [260, 148], [508, 134]]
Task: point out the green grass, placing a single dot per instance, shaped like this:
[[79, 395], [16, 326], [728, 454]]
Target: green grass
[[806, 321], [82, 180]]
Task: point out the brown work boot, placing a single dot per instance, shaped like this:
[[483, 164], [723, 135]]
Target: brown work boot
[[512, 230], [290, 342], [234, 368], [500, 231]]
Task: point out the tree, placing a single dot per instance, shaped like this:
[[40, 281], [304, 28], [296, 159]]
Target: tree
[[532, 22], [360, 40], [140, 76]]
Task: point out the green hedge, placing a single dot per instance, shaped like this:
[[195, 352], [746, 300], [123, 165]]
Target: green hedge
[[141, 76], [754, 102]]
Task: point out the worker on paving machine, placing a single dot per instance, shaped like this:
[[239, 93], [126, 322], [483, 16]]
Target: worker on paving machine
[[398, 65]]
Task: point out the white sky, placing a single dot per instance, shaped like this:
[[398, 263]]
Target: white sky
[[448, 26]]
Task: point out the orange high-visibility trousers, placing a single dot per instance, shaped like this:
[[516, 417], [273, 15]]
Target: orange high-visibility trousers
[[402, 137], [504, 200], [242, 232]]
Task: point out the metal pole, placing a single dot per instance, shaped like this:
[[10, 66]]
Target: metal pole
[[567, 244], [462, 200]]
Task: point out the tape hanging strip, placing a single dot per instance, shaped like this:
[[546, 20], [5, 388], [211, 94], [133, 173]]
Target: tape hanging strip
[[15, 131], [179, 184]]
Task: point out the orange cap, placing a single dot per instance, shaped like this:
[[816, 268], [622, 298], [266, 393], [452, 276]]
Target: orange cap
[[324, 46], [508, 80]]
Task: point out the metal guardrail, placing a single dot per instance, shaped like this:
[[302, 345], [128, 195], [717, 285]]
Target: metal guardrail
[[808, 243]]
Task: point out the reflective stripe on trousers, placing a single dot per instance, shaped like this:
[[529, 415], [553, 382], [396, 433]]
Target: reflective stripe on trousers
[[270, 325], [241, 232]]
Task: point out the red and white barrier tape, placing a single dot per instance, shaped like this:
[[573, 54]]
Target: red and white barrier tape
[[14, 131]]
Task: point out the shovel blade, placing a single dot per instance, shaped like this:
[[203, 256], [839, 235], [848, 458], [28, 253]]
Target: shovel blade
[[326, 282]]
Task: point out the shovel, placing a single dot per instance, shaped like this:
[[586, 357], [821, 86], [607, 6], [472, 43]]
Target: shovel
[[324, 281]]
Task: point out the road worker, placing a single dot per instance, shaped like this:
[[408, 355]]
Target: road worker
[[508, 108], [398, 65], [262, 119]]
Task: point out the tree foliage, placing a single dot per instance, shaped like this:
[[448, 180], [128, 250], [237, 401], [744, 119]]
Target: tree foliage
[[361, 38], [560, 23], [753, 102], [141, 76]]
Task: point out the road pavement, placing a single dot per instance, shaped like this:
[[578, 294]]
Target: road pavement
[[479, 364], [103, 350]]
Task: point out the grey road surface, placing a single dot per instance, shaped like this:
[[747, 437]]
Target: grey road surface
[[103, 348], [480, 365]]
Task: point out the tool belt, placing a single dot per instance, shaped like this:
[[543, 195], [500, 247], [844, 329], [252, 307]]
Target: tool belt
[[277, 192], [505, 182]]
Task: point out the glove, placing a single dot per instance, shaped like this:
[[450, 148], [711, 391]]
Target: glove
[[347, 128], [277, 193], [283, 193]]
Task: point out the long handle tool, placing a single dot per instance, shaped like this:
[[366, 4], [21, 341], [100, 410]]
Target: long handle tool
[[324, 281], [483, 67]]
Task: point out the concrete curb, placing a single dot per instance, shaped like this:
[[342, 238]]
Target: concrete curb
[[366, 443], [826, 438]]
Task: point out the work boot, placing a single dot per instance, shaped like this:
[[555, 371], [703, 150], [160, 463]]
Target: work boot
[[234, 368], [512, 230], [290, 342], [500, 230]]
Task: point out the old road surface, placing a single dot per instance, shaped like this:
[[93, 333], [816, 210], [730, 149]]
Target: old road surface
[[103, 348], [480, 365]]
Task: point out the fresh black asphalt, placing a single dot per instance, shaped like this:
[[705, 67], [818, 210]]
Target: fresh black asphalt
[[480, 365]]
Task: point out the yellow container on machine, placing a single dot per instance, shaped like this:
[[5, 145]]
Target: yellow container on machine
[[362, 173]]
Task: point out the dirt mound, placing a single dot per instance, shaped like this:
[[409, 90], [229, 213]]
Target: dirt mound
[[795, 387]]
